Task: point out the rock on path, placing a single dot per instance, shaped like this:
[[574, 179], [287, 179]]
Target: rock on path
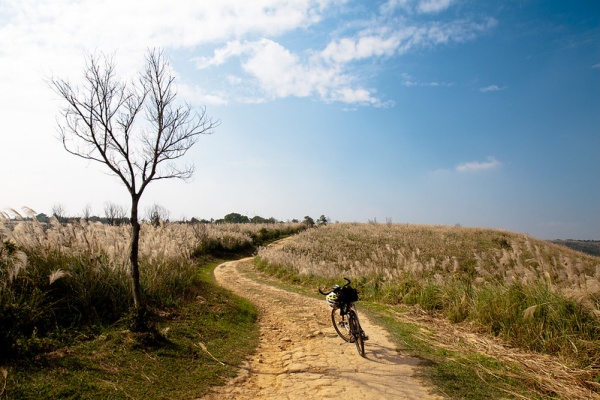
[[300, 355]]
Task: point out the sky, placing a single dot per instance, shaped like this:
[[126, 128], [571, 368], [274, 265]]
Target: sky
[[443, 112]]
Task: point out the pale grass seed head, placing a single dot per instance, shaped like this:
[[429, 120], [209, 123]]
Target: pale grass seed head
[[56, 275], [394, 251]]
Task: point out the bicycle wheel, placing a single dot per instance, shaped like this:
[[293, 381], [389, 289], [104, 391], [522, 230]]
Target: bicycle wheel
[[340, 323], [356, 332]]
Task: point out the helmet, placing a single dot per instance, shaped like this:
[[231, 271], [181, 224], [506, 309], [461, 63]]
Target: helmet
[[332, 300]]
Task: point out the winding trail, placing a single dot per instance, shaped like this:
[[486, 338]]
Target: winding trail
[[300, 356]]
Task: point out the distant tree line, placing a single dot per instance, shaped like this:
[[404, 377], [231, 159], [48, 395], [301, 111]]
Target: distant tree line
[[45, 218], [591, 247], [237, 218], [115, 214]]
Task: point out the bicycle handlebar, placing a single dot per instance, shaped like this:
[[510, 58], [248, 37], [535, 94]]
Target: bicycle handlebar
[[326, 293]]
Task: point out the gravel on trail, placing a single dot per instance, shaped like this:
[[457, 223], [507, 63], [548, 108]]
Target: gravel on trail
[[300, 356]]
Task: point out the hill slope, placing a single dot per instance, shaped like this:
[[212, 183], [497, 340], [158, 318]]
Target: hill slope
[[537, 295]]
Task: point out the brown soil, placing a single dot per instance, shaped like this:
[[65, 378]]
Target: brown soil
[[300, 355]]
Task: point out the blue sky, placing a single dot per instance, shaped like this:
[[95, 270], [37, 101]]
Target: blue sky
[[478, 113]]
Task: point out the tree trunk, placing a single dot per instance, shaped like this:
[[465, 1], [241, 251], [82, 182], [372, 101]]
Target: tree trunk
[[133, 257]]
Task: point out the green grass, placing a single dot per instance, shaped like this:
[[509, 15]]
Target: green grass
[[456, 374], [118, 364]]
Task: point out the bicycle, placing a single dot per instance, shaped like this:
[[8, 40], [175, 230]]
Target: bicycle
[[346, 322]]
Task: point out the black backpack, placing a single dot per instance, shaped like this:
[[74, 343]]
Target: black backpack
[[348, 295]]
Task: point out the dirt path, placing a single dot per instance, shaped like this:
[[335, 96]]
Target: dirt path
[[300, 356]]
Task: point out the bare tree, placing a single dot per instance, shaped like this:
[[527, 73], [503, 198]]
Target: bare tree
[[136, 129], [157, 214], [86, 213], [114, 213], [59, 212]]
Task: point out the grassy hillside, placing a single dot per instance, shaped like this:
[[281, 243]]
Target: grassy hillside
[[539, 296]]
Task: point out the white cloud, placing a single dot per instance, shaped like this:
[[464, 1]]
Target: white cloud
[[433, 6], [279, 73], [331, 73], [391, 5], [369, 44], [410, 81], [44, 37], [596, 66], [220, 55], [384, 41], [354, 96], [491, 88], [416, 6], [63, 27], [491, 163], [41, 38]]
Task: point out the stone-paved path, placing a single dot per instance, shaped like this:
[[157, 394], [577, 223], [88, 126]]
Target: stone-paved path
[[300, 356]]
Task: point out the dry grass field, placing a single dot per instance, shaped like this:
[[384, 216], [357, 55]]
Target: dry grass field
[[66, 316], [76, 273], [537, 295], [167, 241], [440, 267], [533, 294]]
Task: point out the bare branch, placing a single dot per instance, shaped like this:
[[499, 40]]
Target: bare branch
[[175, 128]]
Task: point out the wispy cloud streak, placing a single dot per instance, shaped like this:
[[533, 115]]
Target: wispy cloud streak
[[471, 166], [491, 88]]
